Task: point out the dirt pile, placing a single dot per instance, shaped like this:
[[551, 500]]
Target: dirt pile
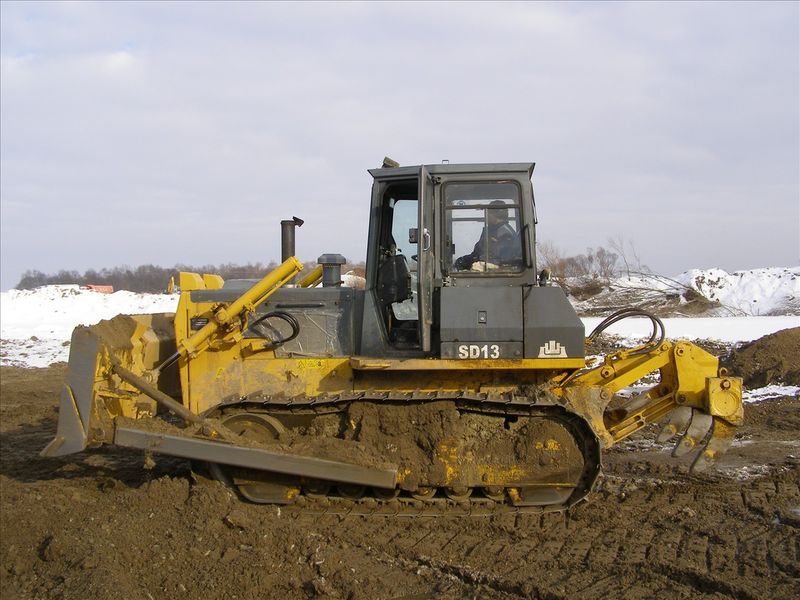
[[773, 359]]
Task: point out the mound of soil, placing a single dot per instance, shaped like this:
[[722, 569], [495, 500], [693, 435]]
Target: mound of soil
[[772, 359]]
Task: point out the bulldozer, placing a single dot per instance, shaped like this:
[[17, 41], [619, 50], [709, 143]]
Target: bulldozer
[[457, 379]]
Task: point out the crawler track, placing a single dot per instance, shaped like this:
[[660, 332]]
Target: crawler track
[[410, 507], [324, 498]]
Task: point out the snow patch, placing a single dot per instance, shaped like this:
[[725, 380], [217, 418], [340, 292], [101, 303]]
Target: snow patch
[[770, 391], [746, 473], [753, 292], [33, 352]]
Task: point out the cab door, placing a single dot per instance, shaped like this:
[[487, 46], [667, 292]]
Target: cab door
[[425, 258]]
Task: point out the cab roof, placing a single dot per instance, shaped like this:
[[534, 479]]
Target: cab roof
[[447, 168]]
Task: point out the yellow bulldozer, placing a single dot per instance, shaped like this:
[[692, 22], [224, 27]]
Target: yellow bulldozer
[[456, 380]]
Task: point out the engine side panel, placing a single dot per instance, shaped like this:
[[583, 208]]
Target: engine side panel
[[552, 329]]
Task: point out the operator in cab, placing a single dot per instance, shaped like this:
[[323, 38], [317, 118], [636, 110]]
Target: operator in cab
[[498, 244]]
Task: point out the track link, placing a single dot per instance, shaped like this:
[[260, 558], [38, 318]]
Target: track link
[[409, 507]]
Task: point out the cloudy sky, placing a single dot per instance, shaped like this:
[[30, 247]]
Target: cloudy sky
[[135, 133]]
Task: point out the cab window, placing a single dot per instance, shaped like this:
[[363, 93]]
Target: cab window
[[482, 228]]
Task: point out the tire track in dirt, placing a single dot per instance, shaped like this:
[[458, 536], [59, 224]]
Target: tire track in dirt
[[97, 525]]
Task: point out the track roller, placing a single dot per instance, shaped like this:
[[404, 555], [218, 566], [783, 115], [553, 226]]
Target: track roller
[[423, 493], [458, 493], [351, 492], [386, 494], [316, 489], [495, 493]]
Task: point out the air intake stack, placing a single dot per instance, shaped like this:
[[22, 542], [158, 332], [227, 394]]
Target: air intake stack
[[331, 269]]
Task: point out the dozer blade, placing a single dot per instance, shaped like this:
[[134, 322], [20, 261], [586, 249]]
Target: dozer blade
[[678, 422], [77, 395], [698, 429], [721, 438], [92, 397]]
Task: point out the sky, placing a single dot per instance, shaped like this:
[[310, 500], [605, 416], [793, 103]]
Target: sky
[[163, 133]]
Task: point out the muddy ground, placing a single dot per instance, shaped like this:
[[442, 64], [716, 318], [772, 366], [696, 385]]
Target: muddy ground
[[98, 525]]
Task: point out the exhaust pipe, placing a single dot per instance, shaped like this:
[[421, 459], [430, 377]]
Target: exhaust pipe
[[287, 237]]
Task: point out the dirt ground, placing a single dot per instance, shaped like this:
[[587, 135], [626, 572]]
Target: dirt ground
[[99, 525]]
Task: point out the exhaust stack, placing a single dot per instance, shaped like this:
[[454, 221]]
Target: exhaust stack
[[287, 236]]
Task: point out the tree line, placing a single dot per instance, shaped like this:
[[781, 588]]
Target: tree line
[[596, 265], [153, 278]]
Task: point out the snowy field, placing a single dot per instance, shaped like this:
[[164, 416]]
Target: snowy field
[[721, 329], [36, 325]]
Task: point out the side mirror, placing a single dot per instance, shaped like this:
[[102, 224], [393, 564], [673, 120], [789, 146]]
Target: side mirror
[[413, 235], [544, 277]]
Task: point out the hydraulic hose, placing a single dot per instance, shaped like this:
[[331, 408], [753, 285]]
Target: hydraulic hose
[[279, 314], [658, 328]]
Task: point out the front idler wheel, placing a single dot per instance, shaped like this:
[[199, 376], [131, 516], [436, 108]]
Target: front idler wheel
[[257, 486]]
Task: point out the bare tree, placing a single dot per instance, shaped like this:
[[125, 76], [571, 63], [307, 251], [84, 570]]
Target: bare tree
[[605, 263], [629, 255], [581, 275]]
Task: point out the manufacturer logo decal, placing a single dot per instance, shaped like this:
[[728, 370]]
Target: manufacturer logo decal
[[552, 349]]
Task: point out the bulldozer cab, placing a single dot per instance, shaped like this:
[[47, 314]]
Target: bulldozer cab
[[451, 270]]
